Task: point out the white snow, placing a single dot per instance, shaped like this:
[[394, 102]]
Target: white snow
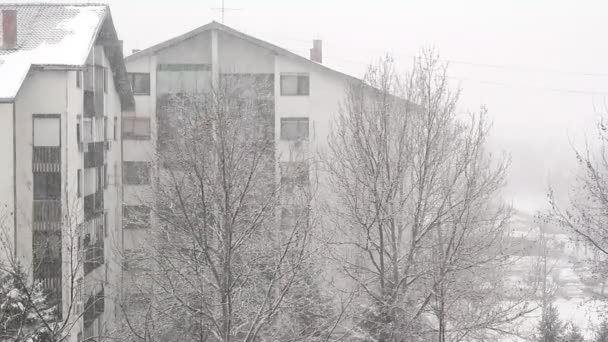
[[71, 50]]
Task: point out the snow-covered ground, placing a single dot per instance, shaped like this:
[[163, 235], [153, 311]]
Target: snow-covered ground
[[572, 295]]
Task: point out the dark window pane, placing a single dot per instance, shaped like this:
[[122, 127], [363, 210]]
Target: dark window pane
[[136, 173], [47, 185], [294, 128], [135, 128], [140, 83], [303, 85], [136, 217], [295, 85]]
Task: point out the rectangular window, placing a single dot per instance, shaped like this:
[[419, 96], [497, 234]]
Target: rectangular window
[[78, 134], [136, 173], [140, 83], [47, 185], [294, 128], [105, 80], [136, 216], [105, 224], [135, 128], [106, 179], [115, 128], [105, 128], [79, 180], [295, 85], [47, 131], [295, 173], [78, 79]]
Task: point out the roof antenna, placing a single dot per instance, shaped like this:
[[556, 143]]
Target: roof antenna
[[223, 9]]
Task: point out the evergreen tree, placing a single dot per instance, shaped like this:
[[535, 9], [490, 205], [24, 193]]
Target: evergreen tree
[[573, 333], [551, 328]]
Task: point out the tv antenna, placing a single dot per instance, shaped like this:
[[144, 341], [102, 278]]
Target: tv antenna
[[223, 9]]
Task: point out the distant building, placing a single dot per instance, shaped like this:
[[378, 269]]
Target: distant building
[[63, 89], [304, 98]]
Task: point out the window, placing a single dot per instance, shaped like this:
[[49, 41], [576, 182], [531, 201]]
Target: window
[[136, 173], [78, 79], [105, 224], [294, 128], [136, 216], [105, 80], [135, 128], [140, 83], [79, 180], [105, 128], [106, 178], [78, 134], [115, 128], [295, 84], [46, 131], [47, 185], [294, 172]]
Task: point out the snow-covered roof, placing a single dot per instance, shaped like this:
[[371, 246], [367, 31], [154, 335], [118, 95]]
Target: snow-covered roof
[[59, 35]]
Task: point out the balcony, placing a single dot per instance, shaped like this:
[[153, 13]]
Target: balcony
[[46, 159], [93, 256], [93, 91], [93, 308], [48, 272], [46, 212], [94, 157], [93, 205]]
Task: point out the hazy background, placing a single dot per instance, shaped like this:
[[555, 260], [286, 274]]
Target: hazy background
[[540, 68]]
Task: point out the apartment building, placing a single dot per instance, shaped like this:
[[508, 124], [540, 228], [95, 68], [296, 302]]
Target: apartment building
[[63, 90], [304, 97]]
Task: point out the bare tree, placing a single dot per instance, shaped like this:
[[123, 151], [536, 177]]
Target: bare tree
[[44, 297], [229, 257], [585, 214], [415, 208]]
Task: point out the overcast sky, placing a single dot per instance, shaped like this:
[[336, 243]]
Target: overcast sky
[[540, 67]]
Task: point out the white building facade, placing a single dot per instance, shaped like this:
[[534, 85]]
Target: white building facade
[[306, 97], [63, 90]]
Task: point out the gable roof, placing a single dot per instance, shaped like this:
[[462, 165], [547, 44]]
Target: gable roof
[[223, 28], [59, 36]]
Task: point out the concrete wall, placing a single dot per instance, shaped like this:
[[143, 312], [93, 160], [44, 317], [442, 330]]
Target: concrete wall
[[141, 150], [236, 55], [190, 51], [56, 92], [6, 179], [43, 92]]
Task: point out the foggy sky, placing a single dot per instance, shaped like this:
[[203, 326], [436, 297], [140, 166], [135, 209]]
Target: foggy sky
[[540, 68]]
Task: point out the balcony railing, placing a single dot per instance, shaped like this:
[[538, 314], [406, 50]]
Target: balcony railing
[[94, 307], [94, 157], [48, 272], [47, 211], [46, 159], [93, 205], [93, 257]]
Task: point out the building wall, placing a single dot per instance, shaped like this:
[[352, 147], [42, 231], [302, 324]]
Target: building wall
[[6, 176], [56, 92], [43, 92], [238, 56], [141, 150]]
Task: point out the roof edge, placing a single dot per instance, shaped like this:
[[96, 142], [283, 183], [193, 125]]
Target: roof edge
[[52, 4], [221, 27]]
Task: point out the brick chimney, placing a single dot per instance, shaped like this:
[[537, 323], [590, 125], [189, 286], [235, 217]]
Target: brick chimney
[[316, 53], [9, 29]]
